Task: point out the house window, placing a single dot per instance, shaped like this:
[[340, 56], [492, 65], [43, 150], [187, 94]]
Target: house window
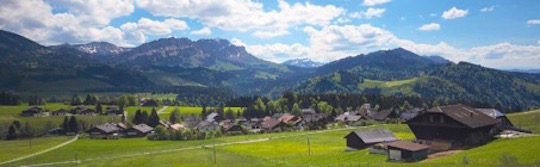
[[442, 119], [431, 119]]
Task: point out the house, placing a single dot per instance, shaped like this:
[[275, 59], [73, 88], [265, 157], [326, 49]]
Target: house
[[34, 112], [205, 126], [122, 127], [459, 124], [253, 125], [213, 117], [164, 123], [232, 129], [385, 114], [139, 130], [177, 126], [104, 131], [349, 117], [406, 151], [113, 111], [408, 115], [504, 122], [191, 121], [357, 140], [290, 119], [60, 112], [273, 125]]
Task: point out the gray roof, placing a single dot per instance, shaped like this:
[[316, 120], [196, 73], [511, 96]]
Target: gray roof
[[212, 117], [494, 113], [143, 128], [375, 136], [108, 128], [466, 115]]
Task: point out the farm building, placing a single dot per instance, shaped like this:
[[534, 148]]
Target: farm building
[[205, 126], [406, 151], [104, 131], [34, 112], [272, 125], [253, 125], [289, 119], [494, 113], [459, 124], [139, 130], [231, 128], [362, 139], [59, 112]]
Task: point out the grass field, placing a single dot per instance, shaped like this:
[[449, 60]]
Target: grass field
[[526, 120], [18, 148]]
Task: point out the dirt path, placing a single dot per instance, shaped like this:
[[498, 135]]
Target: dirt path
[[184, 149], [41, 152], [162, 109]]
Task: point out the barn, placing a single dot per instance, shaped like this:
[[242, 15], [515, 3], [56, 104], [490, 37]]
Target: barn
[[406, 151], [139, 130], [104, 131], [459, 124], [357, 140]]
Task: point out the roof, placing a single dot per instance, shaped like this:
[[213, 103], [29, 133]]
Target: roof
[[307, 111], [494, 113], [407, 145], [177, 126], [375, 136], [381, 115], [108, 128], [143, 128], [408, 115], [122, 125], [289, 117], [466, 115], [270, 123], [211, 117]]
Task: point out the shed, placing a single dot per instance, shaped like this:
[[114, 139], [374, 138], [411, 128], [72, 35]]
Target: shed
[[362, 139], [406, 151]]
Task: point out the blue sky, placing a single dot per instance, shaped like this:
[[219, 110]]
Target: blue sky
[[497, 34]]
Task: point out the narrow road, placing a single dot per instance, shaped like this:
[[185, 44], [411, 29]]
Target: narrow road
[[41, 152], [185, 148], [162, 109]]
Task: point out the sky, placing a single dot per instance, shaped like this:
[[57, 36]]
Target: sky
[[498, 34]]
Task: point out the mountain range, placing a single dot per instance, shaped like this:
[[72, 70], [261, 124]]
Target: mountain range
[[218, 66]]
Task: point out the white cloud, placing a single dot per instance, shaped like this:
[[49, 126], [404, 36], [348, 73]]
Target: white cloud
[[203, 31], [535, 21], [487, 9], [374, 2], [538, 42], [454, 13], [245, 15], [430, 27], [278, 52], [342, 20], [81, 22], [153, 27], [368, 14], [237, 42], [432, 15]]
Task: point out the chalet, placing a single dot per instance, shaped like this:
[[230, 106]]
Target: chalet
[[139, 130], [60, 112], [290, 119], [253, 125], [232, 129], [357, 140], [122, 127], [458, 124], [205, 126], [385, 114], [408, 115], [34, 112], [104, 131], [349, 117], [177, 126], [313, 118], [213, 117], [191, 121], [273, 125], [406, 151], [504, 122]]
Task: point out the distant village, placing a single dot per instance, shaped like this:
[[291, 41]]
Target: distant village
[[437, 129]]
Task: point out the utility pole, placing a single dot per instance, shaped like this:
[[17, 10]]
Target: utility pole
[[214, 152], [76, 160], [308, 146]]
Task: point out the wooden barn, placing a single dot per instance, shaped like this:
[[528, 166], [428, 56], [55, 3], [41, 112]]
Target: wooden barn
[[357, 140], [504, 122], [459, 124], [406, 151], [104, 131]]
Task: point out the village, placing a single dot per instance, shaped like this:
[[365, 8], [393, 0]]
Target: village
[[436, 130]]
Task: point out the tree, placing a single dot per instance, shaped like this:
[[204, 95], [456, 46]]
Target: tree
[[153, 120], [12, 133], [229, 114], [73, 126], [295, 109], [99, 109], [144, 117], [259, 105], [123, 101], [175, 116], [27, 130], [324, 107], [65, 124], [137, 118]]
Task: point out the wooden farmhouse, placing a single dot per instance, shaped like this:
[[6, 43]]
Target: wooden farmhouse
[[406, 151], [104, 131], [357, 140], [139, 130], [458, 124]]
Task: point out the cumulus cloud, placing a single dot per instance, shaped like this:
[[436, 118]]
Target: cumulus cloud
[[203, 31], [368, 14], [487, 9], [153, 27], [80, 22], [334, 42], [374, 2], [430, 27], [454, 13], [245, 15], [534, 21]]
